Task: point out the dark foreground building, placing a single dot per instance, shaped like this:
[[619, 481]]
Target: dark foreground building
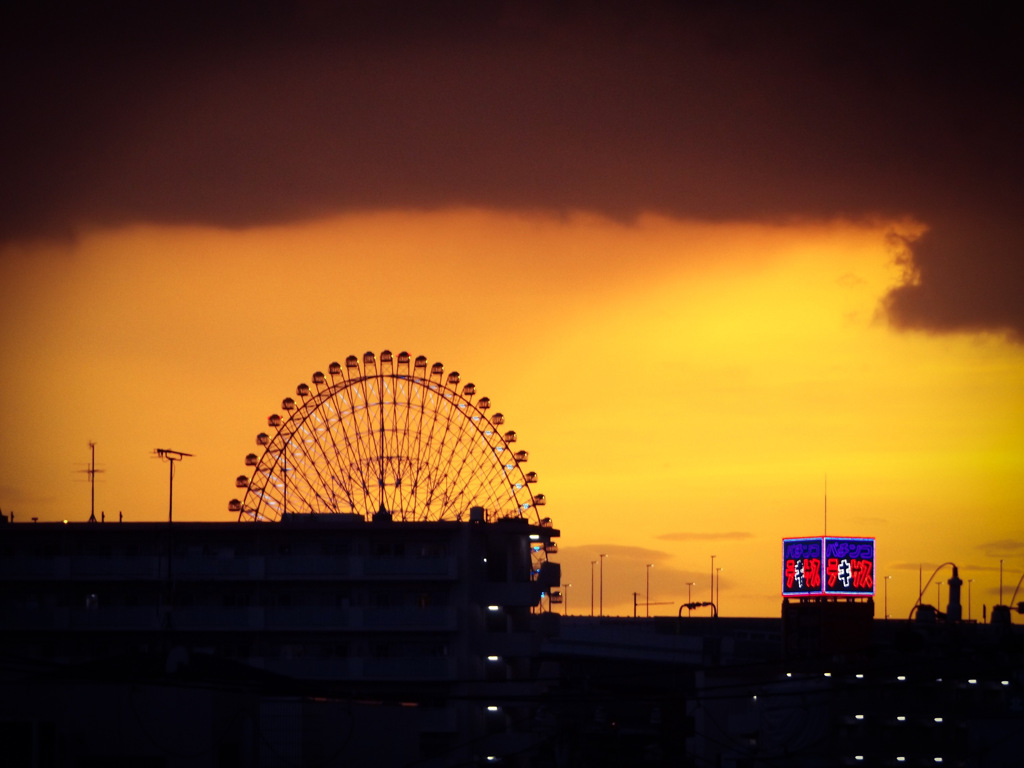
[[333, 641]]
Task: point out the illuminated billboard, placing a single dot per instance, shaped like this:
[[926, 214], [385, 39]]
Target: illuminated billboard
[[833, 566]]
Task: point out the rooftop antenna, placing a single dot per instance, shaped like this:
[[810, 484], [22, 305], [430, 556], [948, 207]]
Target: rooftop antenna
[[826, 505], [91, 472], [170, 456]]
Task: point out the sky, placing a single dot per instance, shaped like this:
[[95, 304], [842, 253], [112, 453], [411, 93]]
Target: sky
[[732, 273]]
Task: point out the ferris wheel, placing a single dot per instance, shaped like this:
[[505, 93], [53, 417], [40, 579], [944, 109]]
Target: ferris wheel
[[387, 435]]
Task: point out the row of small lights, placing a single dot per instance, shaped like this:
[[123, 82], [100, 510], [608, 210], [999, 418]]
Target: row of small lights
[[900, 718], [899, 758], [902, 678]]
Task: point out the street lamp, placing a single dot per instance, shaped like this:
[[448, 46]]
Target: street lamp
[[601, 599], [565, 601], [938, 596], [592, 564], [172, 456], [969, 598], [887, 596], [649, 566], [718, 590], [689, 596], [713, 578]]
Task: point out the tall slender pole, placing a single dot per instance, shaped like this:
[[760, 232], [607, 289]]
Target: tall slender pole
[[592, 564], [886, 616], [1000, 581], [602, 557], [170, 495], [969, 599], [91, 472], [718, 591], [712, 598], [92, 484], [171, 456], [649, 565], [689, 596], [565, 601]]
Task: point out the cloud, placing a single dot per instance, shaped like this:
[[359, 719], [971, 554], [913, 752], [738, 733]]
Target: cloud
[[724, 536], [1002, 548], [263, 113]]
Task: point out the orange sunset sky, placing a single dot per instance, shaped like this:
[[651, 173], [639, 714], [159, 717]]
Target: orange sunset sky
[[708, 264]]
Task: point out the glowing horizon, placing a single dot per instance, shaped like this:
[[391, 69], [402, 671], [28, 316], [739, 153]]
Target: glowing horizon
[[683, 388]]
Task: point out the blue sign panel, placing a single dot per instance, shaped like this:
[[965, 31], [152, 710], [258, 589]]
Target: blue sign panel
[[801, 571], [849, 567], [833, 566]]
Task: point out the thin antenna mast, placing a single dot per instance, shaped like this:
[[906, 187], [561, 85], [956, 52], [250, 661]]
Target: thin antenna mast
[[91, 472], [825, 533]]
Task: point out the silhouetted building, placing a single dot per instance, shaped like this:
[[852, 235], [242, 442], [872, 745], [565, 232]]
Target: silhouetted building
[[329, 640], [277, 644]]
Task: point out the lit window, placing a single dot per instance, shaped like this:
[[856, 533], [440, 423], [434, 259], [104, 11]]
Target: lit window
[[493, 607], [492, 708]]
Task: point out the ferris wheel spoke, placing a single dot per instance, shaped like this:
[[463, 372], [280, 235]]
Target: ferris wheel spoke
[[367, 445], [328, 414], [467, 464], [314, 464], [351, 452]]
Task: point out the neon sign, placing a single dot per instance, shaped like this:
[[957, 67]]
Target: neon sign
[[832, 566]]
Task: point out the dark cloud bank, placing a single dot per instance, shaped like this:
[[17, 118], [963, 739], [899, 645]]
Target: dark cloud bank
[[235, 115]]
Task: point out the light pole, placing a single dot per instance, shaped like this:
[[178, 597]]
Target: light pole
[[689, 596], [166, 454], [718, 590], [969, 598], [649, 566], [601, 599], [592, 564], [170, 456], [887, 596], [713, 578], [565, 601], [938, 596]]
